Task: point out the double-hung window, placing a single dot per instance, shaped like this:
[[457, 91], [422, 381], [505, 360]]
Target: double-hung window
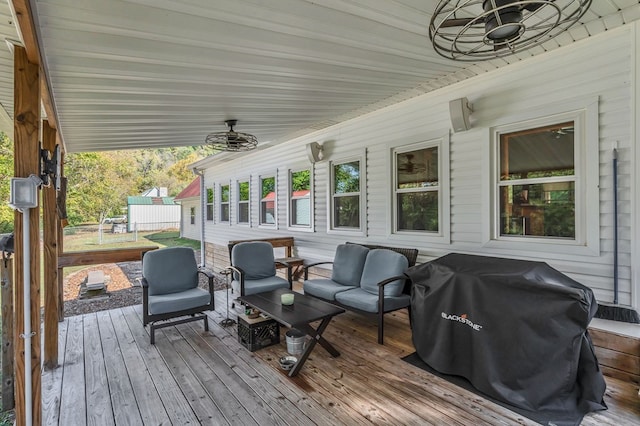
[[225, 197], [346, 206], [209, 203], [537, 182], [243, 202], [268, 201], [417, 189], [544, 179], [192, 215], [300, 199]]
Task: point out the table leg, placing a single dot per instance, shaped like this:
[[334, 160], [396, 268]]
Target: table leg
[[316, 337]]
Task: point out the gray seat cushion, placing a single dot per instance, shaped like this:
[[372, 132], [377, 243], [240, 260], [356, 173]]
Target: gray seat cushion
[[255, 258], [348, 264], [380, 265], [170, 270], [368, 302], [324, 288], [260, 286], [173, 302]]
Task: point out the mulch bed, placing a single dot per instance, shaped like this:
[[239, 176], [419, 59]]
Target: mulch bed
[[122, 281]]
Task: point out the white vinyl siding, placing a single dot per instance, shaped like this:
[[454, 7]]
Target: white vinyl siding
[[565, 80]]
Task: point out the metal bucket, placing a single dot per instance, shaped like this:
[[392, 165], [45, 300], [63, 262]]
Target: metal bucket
[[295, 341]]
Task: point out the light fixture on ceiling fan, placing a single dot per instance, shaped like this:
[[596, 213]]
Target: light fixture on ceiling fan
[[232, 141], [476, 30]]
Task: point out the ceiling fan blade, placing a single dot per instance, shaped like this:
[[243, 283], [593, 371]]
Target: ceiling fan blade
[[532, 7], [456, 22]]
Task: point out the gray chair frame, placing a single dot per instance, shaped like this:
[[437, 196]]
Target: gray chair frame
[[151, 319]]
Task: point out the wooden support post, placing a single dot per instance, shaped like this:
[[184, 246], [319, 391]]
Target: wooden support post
[[50, 231], [26, 162], [6, 292], [60, 236]]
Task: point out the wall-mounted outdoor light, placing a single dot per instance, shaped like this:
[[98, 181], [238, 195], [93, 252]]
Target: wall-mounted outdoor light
[[24, 192]]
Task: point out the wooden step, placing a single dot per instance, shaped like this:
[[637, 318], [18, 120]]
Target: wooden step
[[618, 354]]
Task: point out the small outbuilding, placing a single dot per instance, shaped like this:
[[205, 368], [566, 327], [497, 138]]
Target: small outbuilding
[[152, 213]]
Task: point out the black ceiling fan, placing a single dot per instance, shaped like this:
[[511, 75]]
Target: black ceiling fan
[[471, 30]]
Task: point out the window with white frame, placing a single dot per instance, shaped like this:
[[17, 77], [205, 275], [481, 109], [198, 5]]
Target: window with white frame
[[300, 199], [268, 200], [346, 212], [417, 189], [243, 202], [541, 176], [225, 197], [209, 203], [536, 188], [192, 215]]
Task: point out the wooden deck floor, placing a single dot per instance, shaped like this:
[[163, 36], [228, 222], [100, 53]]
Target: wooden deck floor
[[110, 374]]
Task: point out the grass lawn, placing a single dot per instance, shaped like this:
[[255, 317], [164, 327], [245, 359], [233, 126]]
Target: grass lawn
[[87, 242]]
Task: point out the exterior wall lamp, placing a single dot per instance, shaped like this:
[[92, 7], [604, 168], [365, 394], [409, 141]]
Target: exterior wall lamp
[[24, 192]]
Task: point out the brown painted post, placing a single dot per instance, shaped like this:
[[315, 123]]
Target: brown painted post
[[26, 160], [50, 232], [6, 292]]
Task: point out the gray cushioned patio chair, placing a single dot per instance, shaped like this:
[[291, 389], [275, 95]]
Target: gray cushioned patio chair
[[170, 288], [254, 269]]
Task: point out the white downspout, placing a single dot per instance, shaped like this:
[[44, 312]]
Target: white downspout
[[203, 196]]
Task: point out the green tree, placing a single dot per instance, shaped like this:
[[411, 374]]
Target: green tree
[[97, 186], [6, 173], [301, 180]]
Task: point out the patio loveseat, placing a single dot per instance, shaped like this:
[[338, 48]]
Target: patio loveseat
[[368, 279]]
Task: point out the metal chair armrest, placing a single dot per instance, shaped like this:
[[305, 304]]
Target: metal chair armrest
[[306, 268]]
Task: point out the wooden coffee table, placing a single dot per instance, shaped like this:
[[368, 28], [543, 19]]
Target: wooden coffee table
[[300, 315]]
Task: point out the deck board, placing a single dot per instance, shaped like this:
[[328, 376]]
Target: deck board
[[262, 402], [203, 406], [52, 381], [174, 401], [150, 404], [245, 362], [96, 382], [224, 398], [111, 374], [125, 409], [73, 407]]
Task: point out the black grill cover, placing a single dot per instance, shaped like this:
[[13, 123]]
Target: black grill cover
[[517, 330]]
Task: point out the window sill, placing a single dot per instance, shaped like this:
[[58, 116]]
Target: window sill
[[557, 247]]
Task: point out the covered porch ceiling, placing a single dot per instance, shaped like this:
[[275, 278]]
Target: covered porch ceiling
[[160, 73]]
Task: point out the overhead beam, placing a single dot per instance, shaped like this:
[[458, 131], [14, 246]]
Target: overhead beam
[[28, 32], [26, 162]]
